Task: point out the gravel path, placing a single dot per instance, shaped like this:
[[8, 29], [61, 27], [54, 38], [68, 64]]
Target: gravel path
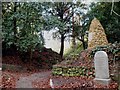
[[26, 82]]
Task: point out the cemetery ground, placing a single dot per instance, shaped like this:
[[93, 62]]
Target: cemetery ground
[[27, 63], [17, 73]]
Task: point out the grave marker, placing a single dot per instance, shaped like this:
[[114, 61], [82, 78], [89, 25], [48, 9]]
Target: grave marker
[[101, 67]]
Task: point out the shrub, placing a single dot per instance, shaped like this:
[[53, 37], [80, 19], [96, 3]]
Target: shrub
[[113, 49]]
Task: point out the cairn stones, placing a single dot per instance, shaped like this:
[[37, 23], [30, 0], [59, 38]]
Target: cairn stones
[[96, 36], [101, 68]]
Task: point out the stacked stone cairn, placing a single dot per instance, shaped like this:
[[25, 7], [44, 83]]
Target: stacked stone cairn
[[96, 36]]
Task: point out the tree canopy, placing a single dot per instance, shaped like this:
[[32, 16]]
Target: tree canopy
[[110, 22], [23, 22], [60, 17], [22, 25]]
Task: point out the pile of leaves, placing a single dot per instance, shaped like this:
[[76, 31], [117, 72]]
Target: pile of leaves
[[79, 83], [46, 58], [59, 82], [9, 78], [73, 83], [78, 65], [73, 66], [44, 84], [8, 81], [40, 59]]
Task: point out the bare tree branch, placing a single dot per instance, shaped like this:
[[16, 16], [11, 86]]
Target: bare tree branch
[[112, 10], [116, 13], [112, 6]]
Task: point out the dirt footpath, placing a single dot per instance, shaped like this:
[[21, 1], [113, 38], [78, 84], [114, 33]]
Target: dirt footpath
[[26, 82]]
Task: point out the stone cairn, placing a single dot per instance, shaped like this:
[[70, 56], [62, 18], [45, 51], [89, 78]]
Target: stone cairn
[[96, 36]]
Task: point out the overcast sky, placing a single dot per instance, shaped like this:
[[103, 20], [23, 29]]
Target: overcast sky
[[54, 44]]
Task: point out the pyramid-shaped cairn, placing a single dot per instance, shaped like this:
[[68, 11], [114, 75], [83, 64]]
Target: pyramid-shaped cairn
[[96, 36]]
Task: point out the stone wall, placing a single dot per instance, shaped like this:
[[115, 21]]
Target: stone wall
[[73, 71], [97, 36]]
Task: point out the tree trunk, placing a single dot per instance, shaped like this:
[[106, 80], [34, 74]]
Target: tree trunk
[[73, 41], [14, 22], [31, 54], [62, 45], [84, 44], [73, 35]]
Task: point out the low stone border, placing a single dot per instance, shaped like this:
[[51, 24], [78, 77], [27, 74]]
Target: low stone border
[[73, 71]]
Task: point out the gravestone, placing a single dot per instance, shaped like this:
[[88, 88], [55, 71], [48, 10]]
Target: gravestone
[[101, 67], [96, 35]]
